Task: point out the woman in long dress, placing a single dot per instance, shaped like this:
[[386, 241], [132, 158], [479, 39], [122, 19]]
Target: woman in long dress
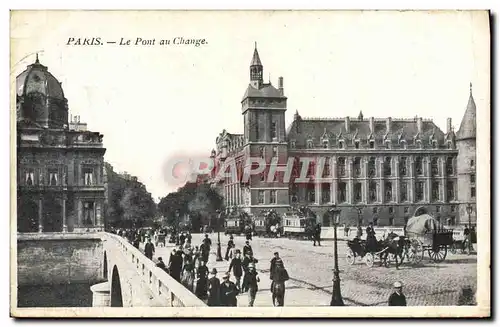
[[188, 271]]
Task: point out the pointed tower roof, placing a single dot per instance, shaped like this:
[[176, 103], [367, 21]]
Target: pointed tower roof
[[256, 59], [467, 128]]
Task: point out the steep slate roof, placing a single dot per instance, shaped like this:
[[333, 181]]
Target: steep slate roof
[[266, 91], [301, 129], [467, 128], [256, 59]]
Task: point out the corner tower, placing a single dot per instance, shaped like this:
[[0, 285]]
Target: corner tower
[[466, 161], [263, 108]]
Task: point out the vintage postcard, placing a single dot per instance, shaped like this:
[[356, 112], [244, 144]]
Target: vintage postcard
[[283, 163]]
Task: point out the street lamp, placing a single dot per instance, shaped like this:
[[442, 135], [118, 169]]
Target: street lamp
[[219, 252], [336, 295], [177, 237], [469, 212]]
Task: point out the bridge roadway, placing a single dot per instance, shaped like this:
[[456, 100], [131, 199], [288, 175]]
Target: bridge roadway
[[311, 271]]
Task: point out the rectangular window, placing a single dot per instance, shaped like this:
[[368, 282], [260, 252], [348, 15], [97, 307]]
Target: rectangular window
[[406, 209], [272, 197], [341, 167], [404, 192], [372, 192], [326, 168], [374, 210], [371, 167], [372, 144], [342, 192], [261, 197], [387, 166], [273, 130], [473, 192], [325, 192], [452, 208], [472, 162], [419, 191], [450, 190], [435, 191], [88, 176], [391, 221], [357, 166], [419, 166], [391, 211], [388, 191], [402, 166], [275, 151], [311, 194], [438, 209], [88, 213], [356, 144], [292, 144], [30, 177], [473, 178], [434, 167], [53, 178], [357, 192], [449, 165]]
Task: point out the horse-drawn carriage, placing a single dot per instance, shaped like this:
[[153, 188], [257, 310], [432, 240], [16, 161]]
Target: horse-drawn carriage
[[267, 224], [237, 223], [387, 249], [463, 240], [299, 223], [426, 234]]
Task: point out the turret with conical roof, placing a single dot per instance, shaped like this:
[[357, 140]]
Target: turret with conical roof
[[256, 70], [467, 128]]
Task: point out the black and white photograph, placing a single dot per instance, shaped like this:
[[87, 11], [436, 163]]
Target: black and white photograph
[[283, 163]]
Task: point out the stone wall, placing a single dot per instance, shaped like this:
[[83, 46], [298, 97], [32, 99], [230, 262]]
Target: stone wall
[[54, 258]]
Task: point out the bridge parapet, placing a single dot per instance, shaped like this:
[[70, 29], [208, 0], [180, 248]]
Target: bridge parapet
[[163, 289]]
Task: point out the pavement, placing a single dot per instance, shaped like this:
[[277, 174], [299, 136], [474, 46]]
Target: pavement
[[311, 271]]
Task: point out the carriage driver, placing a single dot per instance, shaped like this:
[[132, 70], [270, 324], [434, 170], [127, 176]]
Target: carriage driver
[[371, 240]]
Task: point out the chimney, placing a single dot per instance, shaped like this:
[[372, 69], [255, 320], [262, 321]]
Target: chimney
[[347, 124], [372, 124], [280, 85], [448, 125], [419, 124], [388, 124]]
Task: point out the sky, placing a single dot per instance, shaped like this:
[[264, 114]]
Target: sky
[[152, 102]]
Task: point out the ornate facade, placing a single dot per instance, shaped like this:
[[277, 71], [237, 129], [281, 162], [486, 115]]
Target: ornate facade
[[60, 166], [383, 170]]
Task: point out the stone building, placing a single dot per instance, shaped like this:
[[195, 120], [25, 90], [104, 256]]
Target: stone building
[[60, 175], [383, 170]]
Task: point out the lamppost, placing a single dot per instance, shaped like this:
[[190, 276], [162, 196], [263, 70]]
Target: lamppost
[[177, 237], [219, 252], [336, 294], [469, 212]]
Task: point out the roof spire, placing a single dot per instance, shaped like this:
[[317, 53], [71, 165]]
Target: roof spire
[[37, 61], [256, 59], [470, 88], [255, 45]]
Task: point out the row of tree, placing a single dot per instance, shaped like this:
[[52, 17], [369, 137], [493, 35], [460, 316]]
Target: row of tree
[[198, 200], [129, 203]]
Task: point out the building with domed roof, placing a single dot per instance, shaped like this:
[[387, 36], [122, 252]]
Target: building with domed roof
[[380, 170], [60, 176]]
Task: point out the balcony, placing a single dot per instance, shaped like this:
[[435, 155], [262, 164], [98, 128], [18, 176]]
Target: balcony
[[60, 139]]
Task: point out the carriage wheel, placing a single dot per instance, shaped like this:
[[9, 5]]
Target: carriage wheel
[[438, 254], [416, 253], [369, 259], [350, 257]]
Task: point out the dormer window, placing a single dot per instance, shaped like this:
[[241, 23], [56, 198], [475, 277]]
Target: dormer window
[[292, 144], [326, 144], [403, 144], [419, 144], [88, 176], [450, 145], [434, 144], [356, 144], [387, 144], [341, 144], [371, 143], [309, 144]]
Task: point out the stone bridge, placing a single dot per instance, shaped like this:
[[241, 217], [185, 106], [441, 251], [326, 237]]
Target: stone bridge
[[121, 274]]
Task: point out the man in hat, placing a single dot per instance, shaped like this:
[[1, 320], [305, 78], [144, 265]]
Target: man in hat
[[161, 264], [149, 249], [236, 266], [279, 277], [228, 292], [205, 247], [230, 245], [213, 289], [175, 264], [253, 286], [247, 248], [244, 264], [273, 264], [397, 298]]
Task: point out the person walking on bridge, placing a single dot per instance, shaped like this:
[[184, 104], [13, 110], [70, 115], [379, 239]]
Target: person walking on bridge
[[149, 249], [213, 289], [228, 292], [201, 280], [175, 264]]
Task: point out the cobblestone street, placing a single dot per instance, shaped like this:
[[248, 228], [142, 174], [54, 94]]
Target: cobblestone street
[[311, 271]]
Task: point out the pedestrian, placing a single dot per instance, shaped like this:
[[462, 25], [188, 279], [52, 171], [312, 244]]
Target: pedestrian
[[236, 266], [317, 235], [137, 241], [175, 264], [359, 232], [397, 298], [182, 238], [188, 271], [247, 248], [201, 280], [230, 245], [273, 264], [161, 264], [244, 264], [213, 289], [228, 292], [253, 287], [149, 249], [279, 277], [346, 230]]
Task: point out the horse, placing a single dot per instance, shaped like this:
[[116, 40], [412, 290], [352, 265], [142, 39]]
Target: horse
[[395, 245]]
